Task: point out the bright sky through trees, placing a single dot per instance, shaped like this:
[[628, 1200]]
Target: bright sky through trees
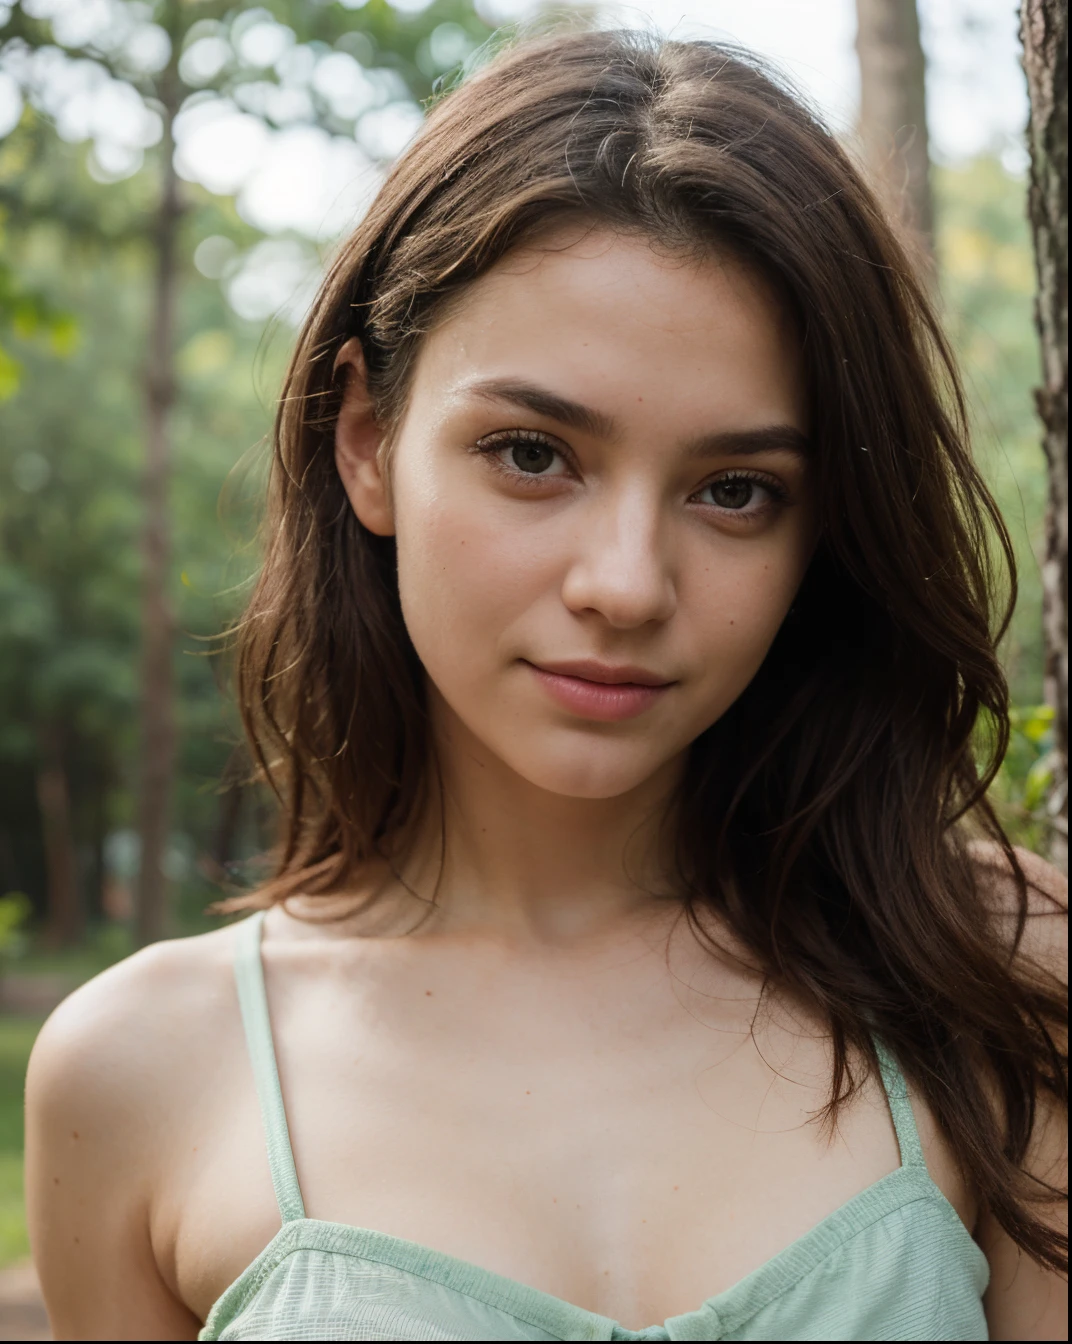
[[299, 178], [294, 178]]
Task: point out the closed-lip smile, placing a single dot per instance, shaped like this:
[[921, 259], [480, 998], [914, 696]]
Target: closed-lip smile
[[587, 669], [598, 691]]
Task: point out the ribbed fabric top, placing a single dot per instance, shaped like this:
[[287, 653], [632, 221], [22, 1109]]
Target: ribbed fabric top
[[894, 1263]]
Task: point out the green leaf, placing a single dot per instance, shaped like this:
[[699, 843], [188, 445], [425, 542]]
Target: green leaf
[[1037, 723], [1039, 782], [63, 334], [10, 375], [15, 910]]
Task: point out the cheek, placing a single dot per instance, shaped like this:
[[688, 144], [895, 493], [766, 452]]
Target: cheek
[[734, 604], [464, 577]]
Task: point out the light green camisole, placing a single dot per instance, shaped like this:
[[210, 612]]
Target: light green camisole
[[893, 1263]]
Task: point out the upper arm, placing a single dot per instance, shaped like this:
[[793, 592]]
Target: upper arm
[[91, 1116], [1025, 1301], [1043, 942]]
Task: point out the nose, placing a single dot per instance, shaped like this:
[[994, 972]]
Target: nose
[[621, 569]]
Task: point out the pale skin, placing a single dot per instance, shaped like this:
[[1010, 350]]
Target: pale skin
[[522, 1078]]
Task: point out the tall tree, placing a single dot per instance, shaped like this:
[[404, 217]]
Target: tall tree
[[382, 56], [1044, 33], [157, 765], [893, 112]]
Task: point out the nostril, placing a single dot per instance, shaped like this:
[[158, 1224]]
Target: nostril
[[624, 597]]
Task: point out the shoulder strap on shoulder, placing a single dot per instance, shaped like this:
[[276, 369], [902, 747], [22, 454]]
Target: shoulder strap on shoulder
[[904, 1121], [253, 1000]]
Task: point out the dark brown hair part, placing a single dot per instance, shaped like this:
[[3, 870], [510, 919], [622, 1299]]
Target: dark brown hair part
[[838, 846]]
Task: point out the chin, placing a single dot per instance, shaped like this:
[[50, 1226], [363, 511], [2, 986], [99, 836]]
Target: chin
[[584, 769]]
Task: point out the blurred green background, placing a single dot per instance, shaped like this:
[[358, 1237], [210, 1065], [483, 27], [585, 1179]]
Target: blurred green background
[[76, 294]]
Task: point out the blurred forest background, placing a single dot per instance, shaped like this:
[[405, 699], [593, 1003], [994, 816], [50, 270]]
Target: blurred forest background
[[146, 312]]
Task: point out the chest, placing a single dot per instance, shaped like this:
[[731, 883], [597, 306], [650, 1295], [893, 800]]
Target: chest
[[618, 1149]]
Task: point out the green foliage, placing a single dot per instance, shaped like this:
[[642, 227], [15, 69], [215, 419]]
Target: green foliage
[[17, 1036], [988, 285], [1021, 789], [71, 439], [105, 943], [15, 911], [423, 47], [14, 1237], [29, 315], [70, 517]]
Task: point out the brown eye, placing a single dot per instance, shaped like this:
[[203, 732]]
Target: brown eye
[[533, 458], [732, 493], [524, 454], [745, 495]]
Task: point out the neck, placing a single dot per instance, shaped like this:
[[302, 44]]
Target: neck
[[512, 860]]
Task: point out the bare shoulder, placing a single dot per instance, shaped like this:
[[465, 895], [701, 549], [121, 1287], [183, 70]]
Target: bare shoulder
[[1044, 939], [113, 1092], [1026, 1300], [126, 1039], [1048, 884]]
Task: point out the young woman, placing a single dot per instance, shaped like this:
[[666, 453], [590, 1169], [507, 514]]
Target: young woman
[[643, 959]]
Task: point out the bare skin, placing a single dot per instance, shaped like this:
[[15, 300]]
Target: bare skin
[[544, 1074]]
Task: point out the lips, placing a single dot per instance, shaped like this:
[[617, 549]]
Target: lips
[[600, 692], [586, 669]]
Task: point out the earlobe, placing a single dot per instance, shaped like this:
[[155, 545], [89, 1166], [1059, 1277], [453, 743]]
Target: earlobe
[[358, 445]]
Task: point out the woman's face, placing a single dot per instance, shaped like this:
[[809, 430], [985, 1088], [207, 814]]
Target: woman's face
[[599, 490]]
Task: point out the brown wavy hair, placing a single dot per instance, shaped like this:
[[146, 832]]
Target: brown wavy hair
[[839, 849]]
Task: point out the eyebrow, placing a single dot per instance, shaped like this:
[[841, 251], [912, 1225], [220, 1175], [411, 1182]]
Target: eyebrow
[[727, 443], [748, 442], [542, 402]]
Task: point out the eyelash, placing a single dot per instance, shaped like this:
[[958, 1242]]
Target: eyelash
[[493, 444]]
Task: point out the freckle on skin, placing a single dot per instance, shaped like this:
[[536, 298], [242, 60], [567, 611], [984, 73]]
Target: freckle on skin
[[55, 1180], [78, 1241], [676, 1187], [74, 1133], [427, 993]]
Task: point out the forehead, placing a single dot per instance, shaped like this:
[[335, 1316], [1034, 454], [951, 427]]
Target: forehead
[[613, 322]]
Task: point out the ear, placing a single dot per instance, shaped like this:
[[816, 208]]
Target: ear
[[359, 444]]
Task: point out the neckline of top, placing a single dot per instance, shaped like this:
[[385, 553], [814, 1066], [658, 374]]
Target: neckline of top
[[718, 1314]]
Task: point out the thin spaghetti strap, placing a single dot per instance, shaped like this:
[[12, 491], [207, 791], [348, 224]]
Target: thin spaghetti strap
[[253, 1000], [904, 1121]]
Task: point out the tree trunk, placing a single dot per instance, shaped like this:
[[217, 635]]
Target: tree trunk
[[893, 115], [63, 916], [98, 828], [1044, 33], [157, 765]]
